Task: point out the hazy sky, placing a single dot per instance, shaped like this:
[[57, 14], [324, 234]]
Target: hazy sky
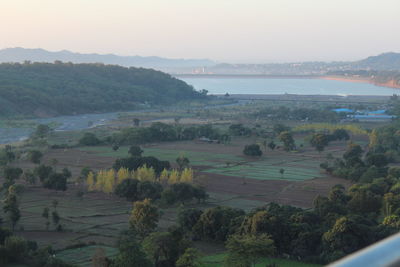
[[223, 30]]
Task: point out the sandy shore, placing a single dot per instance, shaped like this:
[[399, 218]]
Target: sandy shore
[[390, 84]]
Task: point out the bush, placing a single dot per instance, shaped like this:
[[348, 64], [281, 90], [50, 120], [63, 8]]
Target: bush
[[89, 139], [253, 150]]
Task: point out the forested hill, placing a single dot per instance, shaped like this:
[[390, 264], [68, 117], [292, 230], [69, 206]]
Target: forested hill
[[44, 89]]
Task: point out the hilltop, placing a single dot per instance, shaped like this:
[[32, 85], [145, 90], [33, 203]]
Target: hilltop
[[45, 89], [20, 55]]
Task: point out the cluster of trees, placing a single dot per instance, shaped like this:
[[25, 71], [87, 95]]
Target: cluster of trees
[[107, 180], [159, 132], [252, 150], [66, 88], [321, 140], [50, 178], [299, 114], [338, 225], [17, 250], [357, 167], [143, 246]]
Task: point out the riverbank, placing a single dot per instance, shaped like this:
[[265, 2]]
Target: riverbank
[[355, 79]]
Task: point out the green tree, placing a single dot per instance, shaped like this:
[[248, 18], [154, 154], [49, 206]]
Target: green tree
[[164, 248], [11, 207], [252, 150], [35, 156], [247, 250], [319, 141], [271, 145], [89, 139], [135, 151], [42, 130], [10, 175], [144, 217], [183, 162], [287, 140], [191, 258], [130, 252]]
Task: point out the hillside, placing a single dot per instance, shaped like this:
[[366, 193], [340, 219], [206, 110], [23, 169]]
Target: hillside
[[385, 61], [40, 55], [44, 89]]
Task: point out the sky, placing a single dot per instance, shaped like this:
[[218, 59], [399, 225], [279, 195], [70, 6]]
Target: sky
[[234, 31]]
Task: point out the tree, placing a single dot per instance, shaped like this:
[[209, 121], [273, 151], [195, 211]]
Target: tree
[[11, 207], [282, 171], [246, 250], [252, 150], [340, 134], [55, 218], [319, 141], [10, 175], [183, 162], [136, 122], [191, 258], [144, 217], [89, 139], [45, 214], [164, 248], [35, 156], [123, 174], [187, 175], [43, 172], [42, 130], [130, 252], [16, 248], [30, 177], [377, 159], [353, 154], [271, 145], [56, 181], [287, 140], [90, 180], [135, 151], [128, 189]]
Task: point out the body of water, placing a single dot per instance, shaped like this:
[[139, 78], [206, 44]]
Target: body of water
[[272, 86]]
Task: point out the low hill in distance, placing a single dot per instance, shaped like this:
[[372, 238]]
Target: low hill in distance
[[45, 89], [20, 55]]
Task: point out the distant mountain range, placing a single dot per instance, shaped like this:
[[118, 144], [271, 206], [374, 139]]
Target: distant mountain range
[[40, 55], [383, 62]]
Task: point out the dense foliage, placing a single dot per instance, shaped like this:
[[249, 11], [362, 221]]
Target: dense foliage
[[44, 89]]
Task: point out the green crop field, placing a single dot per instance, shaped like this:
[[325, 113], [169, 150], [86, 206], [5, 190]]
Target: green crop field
[[270, 170], [267, 168], [218, 259]]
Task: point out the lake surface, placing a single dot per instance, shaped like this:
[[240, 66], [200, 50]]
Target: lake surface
[[265, 86]]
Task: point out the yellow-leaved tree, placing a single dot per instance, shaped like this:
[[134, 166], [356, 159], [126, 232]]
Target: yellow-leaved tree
[[186, 176], [122, 174], [100, 180], [90, 180], [174, 177], [164, 176], [145, 174], [109, 180]]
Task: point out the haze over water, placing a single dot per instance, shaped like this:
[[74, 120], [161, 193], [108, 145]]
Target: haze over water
[[264, 86]]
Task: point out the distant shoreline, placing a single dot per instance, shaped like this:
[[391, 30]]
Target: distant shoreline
[[389, 84]]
